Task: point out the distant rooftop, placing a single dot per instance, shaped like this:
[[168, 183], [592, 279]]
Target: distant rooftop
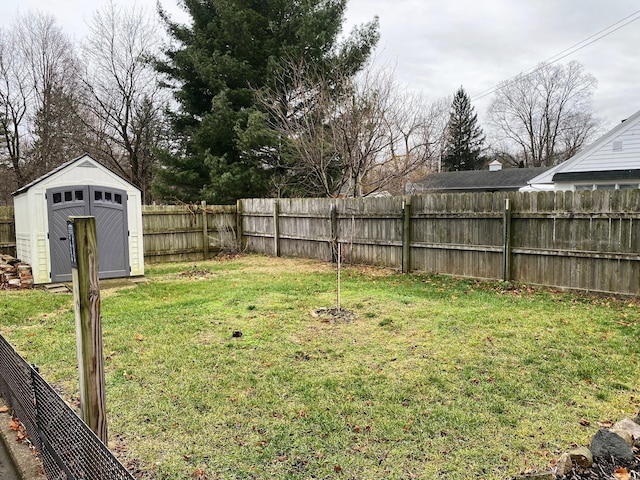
[[507, 179]]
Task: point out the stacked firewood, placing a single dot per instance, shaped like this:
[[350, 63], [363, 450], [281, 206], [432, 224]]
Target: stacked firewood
[[14, 274]]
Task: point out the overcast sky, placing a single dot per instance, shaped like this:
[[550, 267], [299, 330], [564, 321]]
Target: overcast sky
[[436, 46]]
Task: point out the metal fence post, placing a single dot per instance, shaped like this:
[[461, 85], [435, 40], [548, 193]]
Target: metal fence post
[[406, 235], [506, 240], [276, 228]]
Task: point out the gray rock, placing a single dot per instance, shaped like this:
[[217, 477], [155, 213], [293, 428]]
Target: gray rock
[[564, 464], [582, 456], [629, 426], [605, 443], [626, 436]]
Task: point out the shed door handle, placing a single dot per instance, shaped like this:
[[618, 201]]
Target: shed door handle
[[63, 238]]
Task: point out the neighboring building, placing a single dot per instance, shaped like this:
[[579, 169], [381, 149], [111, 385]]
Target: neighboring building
[[77, 188], [610, 163], [496, 179]]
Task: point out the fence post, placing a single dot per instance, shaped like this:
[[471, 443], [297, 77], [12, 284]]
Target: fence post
[[83, 248], [406, 235], [333, 212], [205, 231], [276, 228], [506, 241], [239, 225]]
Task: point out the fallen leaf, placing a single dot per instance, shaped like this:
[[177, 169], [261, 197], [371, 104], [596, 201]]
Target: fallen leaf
[[584, 422], [337, 468], [283, 458], [14, 425], [622, 474], [138, 337], [200, 474], [4, 409]]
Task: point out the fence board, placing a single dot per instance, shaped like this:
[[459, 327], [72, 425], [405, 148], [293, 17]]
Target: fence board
[[7, 231]]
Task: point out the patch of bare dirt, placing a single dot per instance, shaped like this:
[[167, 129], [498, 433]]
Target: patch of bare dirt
[[333, 315]]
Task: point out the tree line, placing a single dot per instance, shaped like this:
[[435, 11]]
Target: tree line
[[254, 99]]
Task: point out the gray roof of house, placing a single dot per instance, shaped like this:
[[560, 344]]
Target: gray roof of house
[[480, 180]]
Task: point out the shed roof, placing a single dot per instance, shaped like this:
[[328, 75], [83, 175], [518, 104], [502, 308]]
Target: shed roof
[[85, 157], [480, 180]]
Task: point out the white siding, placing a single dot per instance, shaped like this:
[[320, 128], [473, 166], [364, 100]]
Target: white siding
[[604, 157], [136, 245]]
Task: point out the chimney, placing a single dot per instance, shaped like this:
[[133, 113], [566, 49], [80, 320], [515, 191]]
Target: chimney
[[495, 166]]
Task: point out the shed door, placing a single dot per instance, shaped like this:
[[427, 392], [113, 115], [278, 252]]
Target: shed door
[[109, 207]]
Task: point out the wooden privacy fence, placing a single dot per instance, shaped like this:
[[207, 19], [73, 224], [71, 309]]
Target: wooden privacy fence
[[7, 231], [173, 233], [580, 240]]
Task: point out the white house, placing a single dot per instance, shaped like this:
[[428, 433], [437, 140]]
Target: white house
[[611, 162], [76, 188]]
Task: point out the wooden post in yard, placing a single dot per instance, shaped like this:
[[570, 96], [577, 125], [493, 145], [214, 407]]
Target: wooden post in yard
[[406, 235], [239, 225], [83, 248], [276, 228], [205, 232], [506, 239]]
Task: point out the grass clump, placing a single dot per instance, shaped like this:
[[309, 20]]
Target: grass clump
[[430, 377]]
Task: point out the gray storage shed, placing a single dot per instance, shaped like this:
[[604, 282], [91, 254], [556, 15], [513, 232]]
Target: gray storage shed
[[79, 187]]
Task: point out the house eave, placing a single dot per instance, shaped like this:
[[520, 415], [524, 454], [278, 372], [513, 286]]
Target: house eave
[[607, 175]]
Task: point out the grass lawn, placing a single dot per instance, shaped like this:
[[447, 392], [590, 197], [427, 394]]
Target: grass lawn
[[433, 378]]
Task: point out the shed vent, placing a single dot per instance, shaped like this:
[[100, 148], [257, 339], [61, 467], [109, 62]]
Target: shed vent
[[617, 146]]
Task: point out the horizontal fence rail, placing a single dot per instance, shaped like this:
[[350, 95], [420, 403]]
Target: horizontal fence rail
[[68, 448], [577, 240]]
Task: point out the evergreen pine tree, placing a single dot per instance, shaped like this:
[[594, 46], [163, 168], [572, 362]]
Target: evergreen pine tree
[[222, 149], [464, 137]]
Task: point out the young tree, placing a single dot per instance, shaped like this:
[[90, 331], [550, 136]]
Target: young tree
[[546, 114], [230, 49], [464, 138]]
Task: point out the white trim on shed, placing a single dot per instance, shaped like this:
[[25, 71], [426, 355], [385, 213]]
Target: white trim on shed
[[32, 220]]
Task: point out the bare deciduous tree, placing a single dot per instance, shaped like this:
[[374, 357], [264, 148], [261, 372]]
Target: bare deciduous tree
[[350, 137], [37, 75], [546, 114], [416, 147], [16, 93], [49, 57], [124, 102]]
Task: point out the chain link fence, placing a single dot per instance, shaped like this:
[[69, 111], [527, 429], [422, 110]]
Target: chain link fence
[[68, 448]]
